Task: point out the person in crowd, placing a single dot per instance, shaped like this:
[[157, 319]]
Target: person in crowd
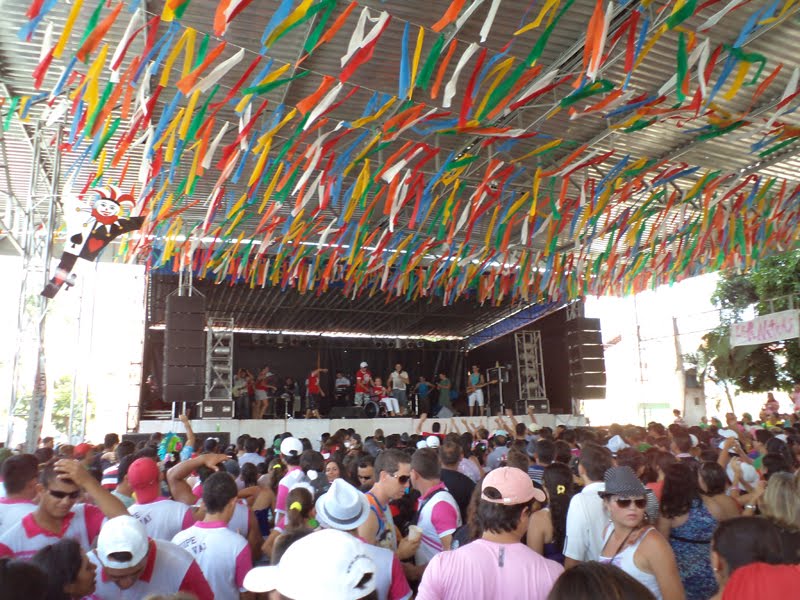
[[323, 564], [392, 477], [363, 387], [70, 573], [543, 455], [251, 454], [290, 449], [598, 581], [366, 472], [438, 513], [300, 514], [61, 485], [333, 470], [761, 580], [162, 517], [688, 520], [20, 476], [22, 580], [497, 457], [423, 390], [123, 489], [344, 508], [630, 543], [679, 420], [548, 526], [131, 566], [497, 565], [780, 504], [223, 556], [459, 485], [586, 517], [630, 457], [398, 386], [713, 483], [743, 541], [110, 473]]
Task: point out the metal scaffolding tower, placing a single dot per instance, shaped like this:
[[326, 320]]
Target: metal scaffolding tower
[[36, 219], [530, 370], [219, 359]]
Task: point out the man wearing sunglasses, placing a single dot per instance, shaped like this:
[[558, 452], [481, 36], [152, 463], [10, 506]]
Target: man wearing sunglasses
[[61, 486], [392, 478]]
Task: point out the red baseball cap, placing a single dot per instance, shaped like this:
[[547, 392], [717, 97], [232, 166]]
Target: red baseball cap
[[81, 450], [143, 475]]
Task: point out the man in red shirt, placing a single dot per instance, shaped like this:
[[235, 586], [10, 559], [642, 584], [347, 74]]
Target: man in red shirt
[[363, 385], [314, 393]]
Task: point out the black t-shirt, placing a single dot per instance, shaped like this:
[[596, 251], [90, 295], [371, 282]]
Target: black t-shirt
[[460, 487], [791, 546]]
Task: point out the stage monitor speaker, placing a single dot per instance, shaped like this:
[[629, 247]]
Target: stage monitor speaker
[[347, 412], [184, 349], [217, 409], [444, 413]]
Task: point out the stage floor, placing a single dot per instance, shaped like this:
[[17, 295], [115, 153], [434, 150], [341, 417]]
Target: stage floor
[[314, 428]]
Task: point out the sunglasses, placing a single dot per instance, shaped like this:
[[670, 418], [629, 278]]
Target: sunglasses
[[61, 495], [404, 479], [626, 502]]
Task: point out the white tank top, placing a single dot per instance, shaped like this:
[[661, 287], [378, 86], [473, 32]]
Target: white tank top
[[624, 560]]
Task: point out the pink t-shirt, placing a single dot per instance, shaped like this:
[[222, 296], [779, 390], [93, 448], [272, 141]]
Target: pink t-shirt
[[484, 569], [293, 476], [439, 516]]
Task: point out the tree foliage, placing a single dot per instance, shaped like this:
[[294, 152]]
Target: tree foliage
[[774, 287]]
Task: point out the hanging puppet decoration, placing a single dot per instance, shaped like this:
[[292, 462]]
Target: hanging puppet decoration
[[91, 225]]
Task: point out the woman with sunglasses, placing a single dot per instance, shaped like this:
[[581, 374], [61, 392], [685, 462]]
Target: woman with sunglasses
[[633, 545]]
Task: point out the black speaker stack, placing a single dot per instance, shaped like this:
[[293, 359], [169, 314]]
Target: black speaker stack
[[587, 366], [184, 349]]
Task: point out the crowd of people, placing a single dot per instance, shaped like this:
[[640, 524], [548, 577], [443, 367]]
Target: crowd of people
[[508, 509]]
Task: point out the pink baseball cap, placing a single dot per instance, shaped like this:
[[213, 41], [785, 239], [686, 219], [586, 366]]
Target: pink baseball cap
[[143, 475], [514, 487]]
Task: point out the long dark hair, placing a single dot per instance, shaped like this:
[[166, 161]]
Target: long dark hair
[[715, 478], [62, 562], [560, 488], [681, 490], [745, 540], [592, 580]]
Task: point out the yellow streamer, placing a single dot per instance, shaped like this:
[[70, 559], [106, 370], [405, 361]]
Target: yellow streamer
[[549, 5], [187, 115], [501, 69], [65, 34], [415, 62], [744, 67], [539, 150], [537, 180], [271, 188], [269, 78], [364, 120], [186, 38], [293, 18]]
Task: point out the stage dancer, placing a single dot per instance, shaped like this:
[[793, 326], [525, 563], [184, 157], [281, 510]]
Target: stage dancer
[[444, 387], [475, 383], [265, 386], [314, 393], [398, 384]]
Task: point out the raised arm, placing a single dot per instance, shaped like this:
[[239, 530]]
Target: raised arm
[[176, 476], [422, 418], [108, 503], [191, 441]]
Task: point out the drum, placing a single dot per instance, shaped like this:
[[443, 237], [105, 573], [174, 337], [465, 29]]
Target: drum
[[372, 409]]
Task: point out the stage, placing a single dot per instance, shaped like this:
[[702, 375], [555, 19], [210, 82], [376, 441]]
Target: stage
[[314, 428]]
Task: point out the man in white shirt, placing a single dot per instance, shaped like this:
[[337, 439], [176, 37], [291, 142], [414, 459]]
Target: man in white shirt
[[58, 516], [398, 383], [20, 475], [251, 454], [223, 555], [586, 518]]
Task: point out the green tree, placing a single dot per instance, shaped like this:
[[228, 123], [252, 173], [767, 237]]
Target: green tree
[[774, 286], [62, 393]]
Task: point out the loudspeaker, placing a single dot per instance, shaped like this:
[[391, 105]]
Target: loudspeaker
[[587, 367], [217, 409], [184, 349], [347, 412], [444, 413]]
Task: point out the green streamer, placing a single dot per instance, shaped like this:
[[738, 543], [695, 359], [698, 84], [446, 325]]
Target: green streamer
[[93, 20], [683, 66], [312, 11], [424, 76], [201, 52], [640, 124], [11, 108], [268, 87], [600, 86], [106, 137], [752, 58], [683, 13], [313, 38], [100, 106]]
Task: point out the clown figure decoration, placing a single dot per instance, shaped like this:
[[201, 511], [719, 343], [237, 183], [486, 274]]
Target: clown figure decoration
[[91, 226]]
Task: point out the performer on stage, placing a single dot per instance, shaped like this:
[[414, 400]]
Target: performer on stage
[[363, 385], [314, 393], [444, 394], [423, 390], [475, 382], [265, 387], [398, 384]]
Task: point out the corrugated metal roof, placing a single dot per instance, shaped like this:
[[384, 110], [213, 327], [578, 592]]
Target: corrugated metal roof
[[673, 140]]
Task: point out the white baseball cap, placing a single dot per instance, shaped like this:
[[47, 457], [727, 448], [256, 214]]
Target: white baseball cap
[[122, 534], [291, 446], [364, 364], [342, 569], [432, 441]]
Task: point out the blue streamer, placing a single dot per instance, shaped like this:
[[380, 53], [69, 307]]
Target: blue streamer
[[278, 17], [405, 69]]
